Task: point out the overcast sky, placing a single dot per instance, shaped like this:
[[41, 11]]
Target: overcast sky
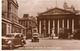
[[32, 7]]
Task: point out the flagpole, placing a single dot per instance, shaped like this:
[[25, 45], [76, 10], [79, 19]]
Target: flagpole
[[56, 3]]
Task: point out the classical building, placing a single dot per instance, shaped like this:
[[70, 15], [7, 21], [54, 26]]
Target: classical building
[[10, 20], [29, 22], [58, 18]]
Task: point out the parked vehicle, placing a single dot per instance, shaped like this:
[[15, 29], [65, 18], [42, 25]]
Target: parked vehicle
[[76, 34], [35, 37], [63, 34], [13, 39]]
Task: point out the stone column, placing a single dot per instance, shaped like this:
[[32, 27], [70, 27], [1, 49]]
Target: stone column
[[6, 28], [63, 23], [25, 23], [10, 28], [53, 29], [49, 27], [40, 27], [72, 25], [58, 26], [54, 24], [68, 24], [22, 30]]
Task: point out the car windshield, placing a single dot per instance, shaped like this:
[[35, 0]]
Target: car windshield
[[9, 35], [35, 34]]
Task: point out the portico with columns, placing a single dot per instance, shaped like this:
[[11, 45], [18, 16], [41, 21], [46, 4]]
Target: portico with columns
[[57, 18]]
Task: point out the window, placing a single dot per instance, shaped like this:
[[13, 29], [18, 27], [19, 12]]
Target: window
[[29, 23], [17, 36], [9, 35]]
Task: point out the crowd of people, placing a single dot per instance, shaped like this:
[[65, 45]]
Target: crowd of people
[[66, 34]]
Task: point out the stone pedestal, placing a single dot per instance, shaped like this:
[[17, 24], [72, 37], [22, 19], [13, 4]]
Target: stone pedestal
[[53, 34]]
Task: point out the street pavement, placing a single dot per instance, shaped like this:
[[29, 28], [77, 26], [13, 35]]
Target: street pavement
[[51, 44]]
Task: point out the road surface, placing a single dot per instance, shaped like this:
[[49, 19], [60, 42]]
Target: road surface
[[51, 44]]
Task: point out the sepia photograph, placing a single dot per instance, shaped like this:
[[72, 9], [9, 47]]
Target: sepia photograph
[[40, 25]]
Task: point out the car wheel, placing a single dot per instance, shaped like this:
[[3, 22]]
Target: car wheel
[[59, 37], [32, 40], [22, 44], [11, 46], [37, 40]]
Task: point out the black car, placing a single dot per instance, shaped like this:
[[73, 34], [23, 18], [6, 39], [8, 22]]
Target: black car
[[13, 39]]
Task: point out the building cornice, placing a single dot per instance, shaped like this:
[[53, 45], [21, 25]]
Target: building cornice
[[3, 19], [14, 23]]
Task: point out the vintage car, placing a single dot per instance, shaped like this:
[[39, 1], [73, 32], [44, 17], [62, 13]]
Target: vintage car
[[35, 37], [12, 40], [76, 34], [64, 33]]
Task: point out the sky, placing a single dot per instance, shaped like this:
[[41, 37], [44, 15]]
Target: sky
[[32, 7]]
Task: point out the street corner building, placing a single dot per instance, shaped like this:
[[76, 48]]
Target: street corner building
[[66, 17], [11, 23], [29, 22], [10, 19]]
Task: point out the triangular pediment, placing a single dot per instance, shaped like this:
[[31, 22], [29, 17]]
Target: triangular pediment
[[56, 11]]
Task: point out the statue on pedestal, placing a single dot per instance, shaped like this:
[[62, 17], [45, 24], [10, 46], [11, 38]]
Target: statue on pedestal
[[44, 28], [53, 34]]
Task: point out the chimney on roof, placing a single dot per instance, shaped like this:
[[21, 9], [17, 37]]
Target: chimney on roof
[[25, 15]]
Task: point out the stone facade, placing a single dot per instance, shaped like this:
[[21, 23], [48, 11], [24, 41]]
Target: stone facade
[[10, 19], [29, 22], [58, 18]]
